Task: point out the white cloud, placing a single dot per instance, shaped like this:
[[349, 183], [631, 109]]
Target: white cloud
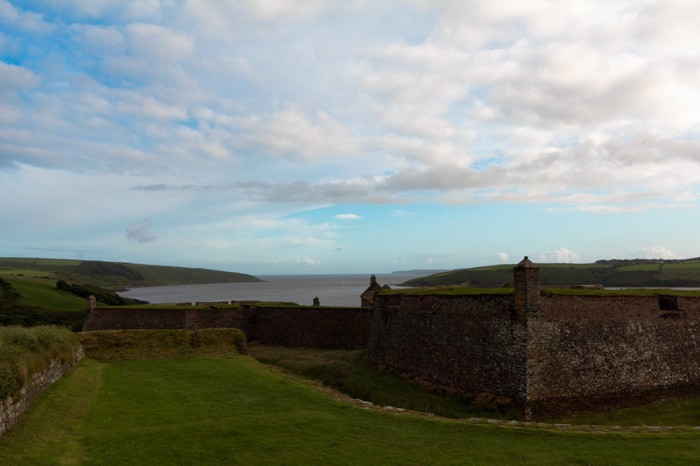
[[308, 261], [561, 255], [286, 9], [158, 44], [502, 257], [140, 232], [402, 213], [347, 217], [248, 108], [99, 39], [659, 252], [13, 77], [24, 20], [294, 134]]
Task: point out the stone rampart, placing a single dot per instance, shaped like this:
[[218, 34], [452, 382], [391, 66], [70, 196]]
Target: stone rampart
[[314, 327], [531, 347], [321, 327], [116, 318], [12, 407], [542, 349], [470, 343], [599, 347], [130, 318], [591, 307]]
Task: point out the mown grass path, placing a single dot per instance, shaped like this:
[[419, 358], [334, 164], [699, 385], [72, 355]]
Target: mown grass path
[[236, 411]]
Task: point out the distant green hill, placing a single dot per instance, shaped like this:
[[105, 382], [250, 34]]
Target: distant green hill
[[610, 273], [29, 294], [115, 275]]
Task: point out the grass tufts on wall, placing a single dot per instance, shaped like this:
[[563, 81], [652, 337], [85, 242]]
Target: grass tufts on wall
[[26, 351], [162, 344]]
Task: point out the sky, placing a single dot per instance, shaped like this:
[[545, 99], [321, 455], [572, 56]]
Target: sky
[[312, 136]]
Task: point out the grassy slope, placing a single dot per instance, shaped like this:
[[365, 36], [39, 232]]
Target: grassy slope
[[350, 373], [235, 411], [40, 303], [113, 275], [686, 273], [46, 295]]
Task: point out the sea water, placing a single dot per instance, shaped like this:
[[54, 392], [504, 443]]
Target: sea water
[[331, 290]]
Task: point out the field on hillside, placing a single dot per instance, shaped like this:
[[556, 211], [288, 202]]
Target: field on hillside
[[614, 273], [32, 301], [237, 411], [113, 275], [29, 293]]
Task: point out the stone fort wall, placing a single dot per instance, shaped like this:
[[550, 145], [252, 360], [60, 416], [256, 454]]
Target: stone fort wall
[[294, 326], [471, 343], [313, 327], [601, 346], [530, 347], [544, 349]]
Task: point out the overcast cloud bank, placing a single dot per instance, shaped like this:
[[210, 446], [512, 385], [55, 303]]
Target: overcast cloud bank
[[267, 135]]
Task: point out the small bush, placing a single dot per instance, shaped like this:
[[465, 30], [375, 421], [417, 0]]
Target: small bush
[[26, 351], [8, 294], [84, 291]]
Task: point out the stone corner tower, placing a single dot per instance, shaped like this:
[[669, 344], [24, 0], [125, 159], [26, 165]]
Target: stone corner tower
[[367, 297], [526, 277]]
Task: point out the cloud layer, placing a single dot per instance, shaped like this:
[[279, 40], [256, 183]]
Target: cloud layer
[[199, 112]]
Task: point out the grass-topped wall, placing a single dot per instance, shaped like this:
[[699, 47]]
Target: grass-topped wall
[[26, 351], [159, 344]]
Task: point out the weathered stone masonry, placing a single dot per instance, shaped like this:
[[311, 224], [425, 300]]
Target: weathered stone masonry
[[472, 343], [599, 346], [538, 349], [320, 327], [12, 407]]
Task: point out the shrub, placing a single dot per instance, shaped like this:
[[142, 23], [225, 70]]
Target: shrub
[[84, 291], [8, 294]]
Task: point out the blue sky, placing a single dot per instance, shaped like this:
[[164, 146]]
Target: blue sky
[[292, 136]]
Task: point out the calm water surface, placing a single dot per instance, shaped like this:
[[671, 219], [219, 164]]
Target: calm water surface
[[331, 290]]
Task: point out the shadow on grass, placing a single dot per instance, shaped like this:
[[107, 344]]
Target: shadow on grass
[[350, 373]]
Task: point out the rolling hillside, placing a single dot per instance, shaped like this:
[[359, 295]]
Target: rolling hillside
[[609, 273], [31, 292], [114, 275]]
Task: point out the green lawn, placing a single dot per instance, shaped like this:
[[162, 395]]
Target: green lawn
[[236, 411]]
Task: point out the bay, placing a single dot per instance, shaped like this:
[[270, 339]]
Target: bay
[[332, 290]]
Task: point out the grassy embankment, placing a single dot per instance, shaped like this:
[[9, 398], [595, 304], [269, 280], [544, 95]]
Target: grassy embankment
[[26, 351], [348, 372], [236, 411], [163, 344]]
